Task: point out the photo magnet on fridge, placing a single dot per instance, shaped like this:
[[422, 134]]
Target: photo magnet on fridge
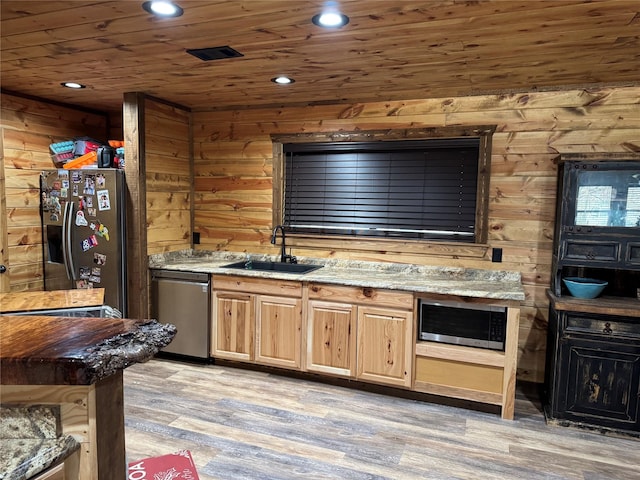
[[99, 258], [89, 185], [103, 200], [84, 284], [85, 272], [51, 203]]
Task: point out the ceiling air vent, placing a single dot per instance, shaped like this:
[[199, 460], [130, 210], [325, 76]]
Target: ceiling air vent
[[214, 53]]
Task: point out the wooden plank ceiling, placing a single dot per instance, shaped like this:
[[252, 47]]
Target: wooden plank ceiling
[[390, 50]]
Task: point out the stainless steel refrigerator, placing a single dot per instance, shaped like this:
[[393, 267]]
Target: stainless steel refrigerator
[[83, 229]]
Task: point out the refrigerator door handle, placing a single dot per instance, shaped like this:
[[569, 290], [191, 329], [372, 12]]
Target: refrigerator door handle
[[66, 241], [65, 254]]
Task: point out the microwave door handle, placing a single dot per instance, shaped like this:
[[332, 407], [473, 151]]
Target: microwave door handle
[[66, 241]]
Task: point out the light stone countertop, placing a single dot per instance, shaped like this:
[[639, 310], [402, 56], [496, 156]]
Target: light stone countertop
[[477, 283], [30, 442]]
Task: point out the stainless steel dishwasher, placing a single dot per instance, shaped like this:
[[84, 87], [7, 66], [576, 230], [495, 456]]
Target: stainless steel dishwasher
[[183, 299]]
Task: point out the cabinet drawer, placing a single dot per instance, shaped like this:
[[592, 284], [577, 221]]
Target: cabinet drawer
[[361, 295], [591, 251], [633, 253], [257, 285], [607, 327]]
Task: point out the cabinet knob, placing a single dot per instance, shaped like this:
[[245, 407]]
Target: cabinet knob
[[3, 269], [607, 328]]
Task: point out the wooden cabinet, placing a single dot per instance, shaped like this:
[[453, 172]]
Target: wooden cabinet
[[278, 331], [385, 337], [331, 338], [594, 364], [597, 221], [257, 320], [361, 333], [233, 327], [469, 373], [592, 373], [358, 332]]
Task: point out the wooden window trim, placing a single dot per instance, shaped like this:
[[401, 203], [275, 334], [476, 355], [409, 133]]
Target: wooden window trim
[[383, 245]]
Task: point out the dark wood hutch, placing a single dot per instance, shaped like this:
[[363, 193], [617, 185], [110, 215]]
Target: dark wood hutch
[[592, 376]]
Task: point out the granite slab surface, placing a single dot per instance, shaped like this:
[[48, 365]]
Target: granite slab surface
[[25, 458], [31, 441], [467, 282]]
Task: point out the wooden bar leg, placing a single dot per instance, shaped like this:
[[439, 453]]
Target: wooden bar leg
[[109, 424], [511, 362]]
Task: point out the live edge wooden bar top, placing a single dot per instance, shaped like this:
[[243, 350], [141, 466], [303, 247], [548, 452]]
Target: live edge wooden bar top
[[46, 350], [76, 364]]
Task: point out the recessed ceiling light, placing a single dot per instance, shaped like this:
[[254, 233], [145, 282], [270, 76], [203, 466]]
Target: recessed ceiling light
[[330, 17], [163, 8], [283, 80], [72, 85]]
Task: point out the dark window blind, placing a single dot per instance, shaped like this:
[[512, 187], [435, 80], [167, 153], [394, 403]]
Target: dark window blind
[[406, 189]]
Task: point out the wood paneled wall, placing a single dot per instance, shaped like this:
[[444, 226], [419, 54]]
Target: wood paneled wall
[[27, 128], [233, 161], [168, 170]]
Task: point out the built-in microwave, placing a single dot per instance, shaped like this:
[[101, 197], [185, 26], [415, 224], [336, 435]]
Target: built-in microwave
[[473, 325]]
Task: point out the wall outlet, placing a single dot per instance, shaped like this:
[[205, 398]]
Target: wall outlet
[[496, 255]]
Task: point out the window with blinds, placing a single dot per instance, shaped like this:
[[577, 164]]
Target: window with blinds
[[424, 189]]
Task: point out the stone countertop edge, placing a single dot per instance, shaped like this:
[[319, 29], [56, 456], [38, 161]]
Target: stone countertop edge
[[467, 282], [21, 459]]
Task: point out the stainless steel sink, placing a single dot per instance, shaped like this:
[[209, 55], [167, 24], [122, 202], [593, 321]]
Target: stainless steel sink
[[273, 266]]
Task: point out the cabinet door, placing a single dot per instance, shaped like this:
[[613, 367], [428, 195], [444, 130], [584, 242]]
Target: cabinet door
[[331, 338], [384, 352], [278, 331], [602, 384], [232, 329]]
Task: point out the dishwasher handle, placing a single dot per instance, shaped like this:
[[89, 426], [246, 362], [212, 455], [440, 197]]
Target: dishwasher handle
[[180, 275]]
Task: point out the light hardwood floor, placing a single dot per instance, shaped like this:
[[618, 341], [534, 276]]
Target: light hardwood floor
[[242, 424]]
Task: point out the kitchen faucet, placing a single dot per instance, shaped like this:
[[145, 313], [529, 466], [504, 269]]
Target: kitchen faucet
[[283, 252]]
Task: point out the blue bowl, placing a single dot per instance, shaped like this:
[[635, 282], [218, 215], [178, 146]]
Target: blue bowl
[[584, 287]]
